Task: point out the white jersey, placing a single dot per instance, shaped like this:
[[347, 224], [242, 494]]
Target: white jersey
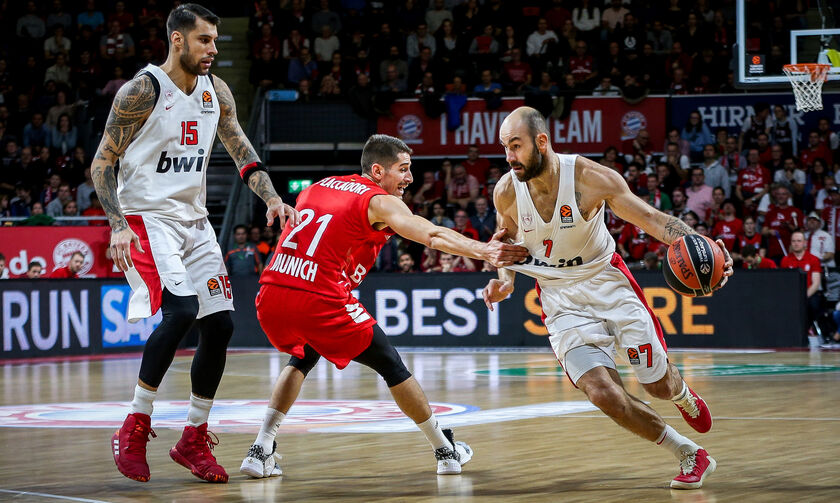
[[162, 172], [567, 247]]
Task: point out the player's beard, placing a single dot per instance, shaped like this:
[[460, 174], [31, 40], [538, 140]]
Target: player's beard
[[533, 167], [188, 65]]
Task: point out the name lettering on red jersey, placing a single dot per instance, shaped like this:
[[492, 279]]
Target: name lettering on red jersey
[[295, 266], [354, 187]]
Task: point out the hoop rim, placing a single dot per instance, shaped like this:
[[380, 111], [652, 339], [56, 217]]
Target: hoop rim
[[812, 68]]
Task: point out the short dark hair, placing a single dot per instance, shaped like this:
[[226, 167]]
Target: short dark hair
[[240, 226], [33, 264], [2, 257], [383, 150], [77, 253], [182, 18], [535, 121]]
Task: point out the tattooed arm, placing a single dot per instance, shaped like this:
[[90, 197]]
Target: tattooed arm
[[243, 153], [132, 106], [604, 184]]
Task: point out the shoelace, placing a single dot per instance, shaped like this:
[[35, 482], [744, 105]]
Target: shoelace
[[688, 460], [138, 439], [689, 404], [205, 443]]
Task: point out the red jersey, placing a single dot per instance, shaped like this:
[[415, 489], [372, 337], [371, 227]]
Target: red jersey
[[808, 156], [63, 272], [728, 231], [332, 249], [831, 217], [777, 219], [637, 242], [807, 263], [478, 169], [581, 67], [743, 241], [764, 263], [753, 179]]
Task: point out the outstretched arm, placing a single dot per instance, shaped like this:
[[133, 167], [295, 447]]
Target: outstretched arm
[[247, 161], [504, 199], [391, 211], [132, 105]]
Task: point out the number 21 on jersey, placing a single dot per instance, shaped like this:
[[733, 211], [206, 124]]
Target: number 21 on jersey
[[306, 217]]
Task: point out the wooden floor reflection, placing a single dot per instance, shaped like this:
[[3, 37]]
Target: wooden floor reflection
[[776, 435]]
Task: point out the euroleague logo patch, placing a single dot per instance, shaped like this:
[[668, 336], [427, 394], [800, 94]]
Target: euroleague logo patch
[[633, 356], [214, 287], [566, 214], [207, 99]]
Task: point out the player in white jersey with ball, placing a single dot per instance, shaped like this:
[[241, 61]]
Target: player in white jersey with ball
[[161, 130], [554, 204]]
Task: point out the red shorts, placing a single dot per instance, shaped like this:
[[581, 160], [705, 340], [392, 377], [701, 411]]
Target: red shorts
[[339, 330]]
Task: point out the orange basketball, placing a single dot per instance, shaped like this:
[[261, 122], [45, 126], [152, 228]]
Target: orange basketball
[[694, 265]]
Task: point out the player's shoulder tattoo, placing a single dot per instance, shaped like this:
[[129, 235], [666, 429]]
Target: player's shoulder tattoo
[[132, 105]]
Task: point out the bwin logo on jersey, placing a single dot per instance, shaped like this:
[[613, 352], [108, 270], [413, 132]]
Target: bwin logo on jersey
[[178, 164]]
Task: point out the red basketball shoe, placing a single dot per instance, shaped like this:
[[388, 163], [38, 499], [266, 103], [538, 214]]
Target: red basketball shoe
[[193, 452], [694, 468], [695, 412], [129, 446]]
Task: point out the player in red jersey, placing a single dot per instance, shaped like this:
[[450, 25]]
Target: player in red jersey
[[345, 221]]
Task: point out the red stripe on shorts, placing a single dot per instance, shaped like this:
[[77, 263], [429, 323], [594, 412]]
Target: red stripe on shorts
[[145, 262], [539, 296], [619, 264]]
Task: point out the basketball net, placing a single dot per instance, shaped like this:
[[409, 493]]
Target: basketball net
[[807, 81]]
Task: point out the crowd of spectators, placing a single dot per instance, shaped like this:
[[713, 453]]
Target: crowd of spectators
[[370, 53]]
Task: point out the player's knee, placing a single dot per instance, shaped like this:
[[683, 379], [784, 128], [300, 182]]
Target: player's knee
[[611, 399], [395, 373], [307, 363], [217, 328], [179, 312]]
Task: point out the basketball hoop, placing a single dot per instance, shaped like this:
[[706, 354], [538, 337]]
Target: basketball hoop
[[807, 81]]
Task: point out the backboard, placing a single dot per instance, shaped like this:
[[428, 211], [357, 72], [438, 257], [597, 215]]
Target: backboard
[[762, 47]]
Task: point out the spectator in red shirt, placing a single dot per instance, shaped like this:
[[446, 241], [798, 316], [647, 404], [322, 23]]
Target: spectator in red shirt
[[581, 64], [752, 260], [431, 190], [765, 154], [517, 73], [454, 263], [462, 188], [779, 222], [728, 227], [831, 215], [749, 236], [71, 270], [800, 258], [476, 166], [636, 180], [816, 150], [269, 40], [753, 182], [634, 242]]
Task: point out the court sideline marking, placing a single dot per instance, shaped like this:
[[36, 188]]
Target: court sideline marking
[[54, 496]]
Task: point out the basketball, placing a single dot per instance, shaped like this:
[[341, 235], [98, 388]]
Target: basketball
[[694, 265]]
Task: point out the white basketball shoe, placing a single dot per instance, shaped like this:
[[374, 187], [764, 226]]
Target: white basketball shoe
[[259, 464], [450, 460]]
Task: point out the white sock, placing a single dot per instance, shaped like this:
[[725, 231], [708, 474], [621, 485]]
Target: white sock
[[199, 410], [143, 399], [675, 442], [268, 430], [679, 397], [434, 434]]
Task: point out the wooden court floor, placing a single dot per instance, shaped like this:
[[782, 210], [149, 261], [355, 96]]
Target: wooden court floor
[[776, 435]]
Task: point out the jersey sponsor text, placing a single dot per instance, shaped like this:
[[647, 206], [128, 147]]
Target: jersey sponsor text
[[179, 164], [295, 266]]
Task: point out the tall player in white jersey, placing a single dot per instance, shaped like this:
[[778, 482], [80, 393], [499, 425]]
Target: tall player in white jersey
[[554, 204], [161, 130]]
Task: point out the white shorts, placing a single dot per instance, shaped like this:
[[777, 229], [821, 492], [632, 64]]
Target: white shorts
[[607, 310], [182, 257]]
